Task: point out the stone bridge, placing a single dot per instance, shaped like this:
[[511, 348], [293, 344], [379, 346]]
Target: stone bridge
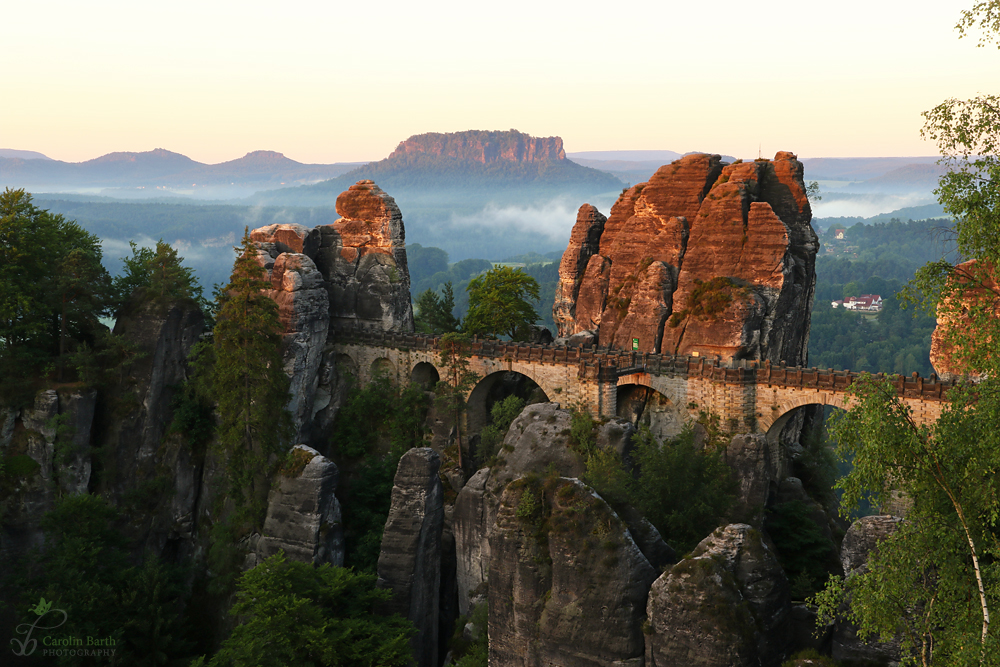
[[746, 395]]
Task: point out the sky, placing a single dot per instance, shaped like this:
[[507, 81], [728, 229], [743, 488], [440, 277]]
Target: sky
[[326, 82]]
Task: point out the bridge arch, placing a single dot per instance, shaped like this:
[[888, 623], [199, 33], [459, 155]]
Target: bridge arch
[[648, 399], [346, 365], [425, 374], [773, 420], [642, 404], [497, 386], [383, 366]]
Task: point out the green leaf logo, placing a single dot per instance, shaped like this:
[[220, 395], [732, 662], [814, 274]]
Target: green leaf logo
[[43, 607]]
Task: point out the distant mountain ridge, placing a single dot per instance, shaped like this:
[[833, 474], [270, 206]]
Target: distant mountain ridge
[[857, 168], [24, 155], [161, 167], [474, 163]]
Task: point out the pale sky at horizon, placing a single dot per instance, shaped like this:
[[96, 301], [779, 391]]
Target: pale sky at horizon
[[339, 82]]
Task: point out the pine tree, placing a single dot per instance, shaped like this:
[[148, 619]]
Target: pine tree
[[434, 312], [459, 379], [250, 385]]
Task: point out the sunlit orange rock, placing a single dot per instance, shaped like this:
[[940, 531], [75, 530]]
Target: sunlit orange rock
[[697, 220], [944, 355]]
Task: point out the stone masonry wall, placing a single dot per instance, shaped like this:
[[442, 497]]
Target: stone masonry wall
[[745, 397]]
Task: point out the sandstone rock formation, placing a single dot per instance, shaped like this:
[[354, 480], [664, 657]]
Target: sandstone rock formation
[[352, 272], [537, 442], [483, 147], [943, 358], [54, 433], [538, 439], [755, 467], [471, 522], [410, 561], [138, 410], [288, 238], [727, 604], [584, 243], [568, 584], [861, 540], [705, 258], [362, 257], [303, 514], [304, 308]]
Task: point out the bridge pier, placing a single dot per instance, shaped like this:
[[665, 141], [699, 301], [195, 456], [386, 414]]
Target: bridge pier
[[607, 392]]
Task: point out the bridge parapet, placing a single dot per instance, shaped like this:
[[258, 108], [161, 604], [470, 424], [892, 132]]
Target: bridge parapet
[[606, 365]]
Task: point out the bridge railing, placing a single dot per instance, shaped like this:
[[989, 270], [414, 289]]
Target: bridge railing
[[605, 364]]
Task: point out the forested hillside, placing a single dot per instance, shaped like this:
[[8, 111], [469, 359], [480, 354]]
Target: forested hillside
[[875, 259]]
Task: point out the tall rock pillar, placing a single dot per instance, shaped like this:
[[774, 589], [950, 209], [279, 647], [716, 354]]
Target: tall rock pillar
[[410, 562]]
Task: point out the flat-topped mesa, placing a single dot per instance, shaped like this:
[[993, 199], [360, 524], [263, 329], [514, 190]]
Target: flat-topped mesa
[[483, 146], [704, 259]]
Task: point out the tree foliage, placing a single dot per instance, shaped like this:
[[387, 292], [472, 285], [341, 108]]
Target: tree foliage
[[683, 491], [292, 613], [85, 569], [435, 313], [251, 388], [502, 414], [499, 306], [377, 424], [984, 15], [458, 381], [936, 578], [53, 289]]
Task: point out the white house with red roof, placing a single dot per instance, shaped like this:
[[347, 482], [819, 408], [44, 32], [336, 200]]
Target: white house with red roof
[[869, 303]]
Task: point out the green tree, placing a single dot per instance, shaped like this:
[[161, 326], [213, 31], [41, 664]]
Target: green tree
[[498, 304], [251, 388], [134, 273], [292, 613], [168, 278], [813, 192], [52, 290], [86, 569], [376, 425], [684, 492], [83, 290], [158, 274], [935, 579], [458, 381], [502, 414], [435, 313]]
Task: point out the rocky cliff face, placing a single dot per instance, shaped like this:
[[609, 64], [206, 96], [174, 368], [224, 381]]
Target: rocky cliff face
[[303, 514], [349, 273], [135, 416], [410, 561], [483, 147], [725, 605], [706, 258], [362, 257], [49, 442], [563, 593], [943, 358], [859, 543]]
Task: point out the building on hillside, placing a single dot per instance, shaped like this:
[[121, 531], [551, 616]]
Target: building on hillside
[[838, 234], [869, 303]]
